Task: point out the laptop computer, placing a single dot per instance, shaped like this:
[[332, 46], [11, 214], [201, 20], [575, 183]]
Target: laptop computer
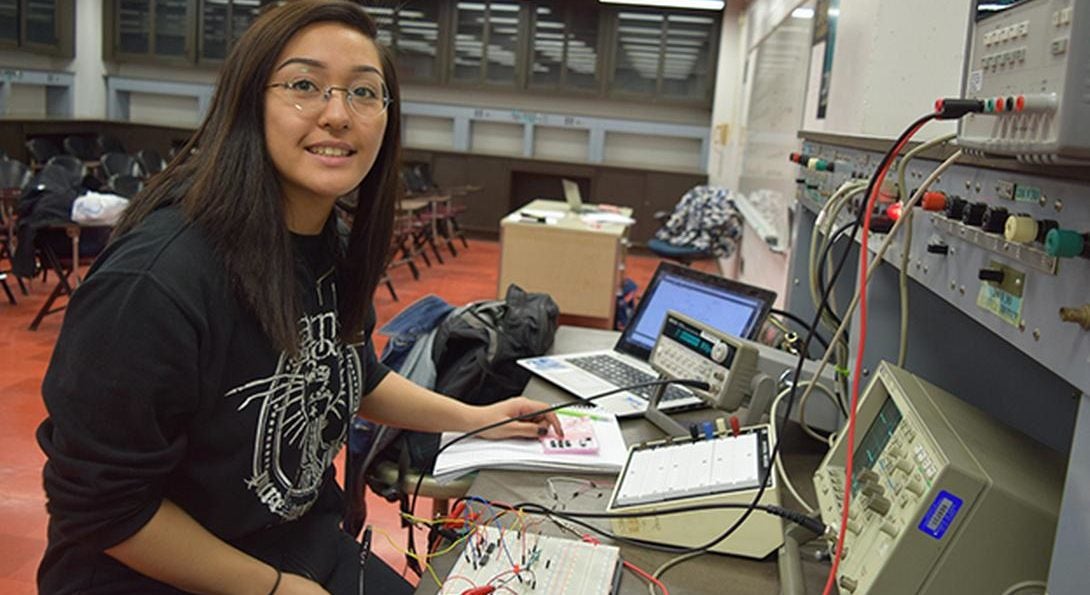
[[575, 198], [728, 305]]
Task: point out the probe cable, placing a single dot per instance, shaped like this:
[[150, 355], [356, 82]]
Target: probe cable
[[945, 109], [851, 308]]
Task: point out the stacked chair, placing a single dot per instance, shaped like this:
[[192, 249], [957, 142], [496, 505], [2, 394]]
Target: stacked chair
[[56, 244], [14, 178]]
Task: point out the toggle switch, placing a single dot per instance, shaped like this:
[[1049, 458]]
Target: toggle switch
[[991, 275]]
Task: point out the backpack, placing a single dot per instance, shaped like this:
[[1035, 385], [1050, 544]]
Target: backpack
[[475, 353]]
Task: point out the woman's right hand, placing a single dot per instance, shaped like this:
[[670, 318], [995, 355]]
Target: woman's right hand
[[294, 584]]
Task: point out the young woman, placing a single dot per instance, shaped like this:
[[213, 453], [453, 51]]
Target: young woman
[[208, 367]]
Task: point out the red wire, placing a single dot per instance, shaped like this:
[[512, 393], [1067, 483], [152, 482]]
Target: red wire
[[857, 372], [647, 576]]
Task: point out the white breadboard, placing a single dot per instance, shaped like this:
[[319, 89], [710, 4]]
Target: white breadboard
[[545, 565]]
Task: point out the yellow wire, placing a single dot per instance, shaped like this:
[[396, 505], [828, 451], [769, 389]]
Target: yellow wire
[[431, 571]]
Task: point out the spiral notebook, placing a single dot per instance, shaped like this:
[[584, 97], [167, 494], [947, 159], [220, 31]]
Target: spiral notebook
[[474, 454]]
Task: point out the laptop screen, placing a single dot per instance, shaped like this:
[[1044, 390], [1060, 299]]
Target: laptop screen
[[572, 195], [726, 305]]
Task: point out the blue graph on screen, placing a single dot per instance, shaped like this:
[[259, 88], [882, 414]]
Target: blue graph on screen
[[716, 307]]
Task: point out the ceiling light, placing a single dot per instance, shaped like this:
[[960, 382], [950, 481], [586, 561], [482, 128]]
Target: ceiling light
[[803, 12], [699, 4]]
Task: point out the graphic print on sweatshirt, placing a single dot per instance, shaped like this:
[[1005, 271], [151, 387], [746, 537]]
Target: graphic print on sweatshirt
[[303, 418]]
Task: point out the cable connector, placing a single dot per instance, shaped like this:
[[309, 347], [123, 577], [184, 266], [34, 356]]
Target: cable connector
[[948, 108], [814, 525]]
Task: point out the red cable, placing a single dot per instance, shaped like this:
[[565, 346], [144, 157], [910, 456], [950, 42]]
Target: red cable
[[647, 576], [857, 372]]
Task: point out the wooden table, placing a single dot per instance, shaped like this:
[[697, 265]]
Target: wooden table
[[578, 263]]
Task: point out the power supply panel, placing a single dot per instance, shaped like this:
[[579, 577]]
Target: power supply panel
[[1009, 249], [1029, 61]]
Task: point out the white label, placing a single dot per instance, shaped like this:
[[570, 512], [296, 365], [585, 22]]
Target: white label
[[976, 81]]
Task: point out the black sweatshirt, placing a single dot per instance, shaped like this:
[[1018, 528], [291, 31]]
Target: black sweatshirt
[[163, 385]]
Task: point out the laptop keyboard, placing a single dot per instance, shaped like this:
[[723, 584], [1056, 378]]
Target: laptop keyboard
[[621, 374]]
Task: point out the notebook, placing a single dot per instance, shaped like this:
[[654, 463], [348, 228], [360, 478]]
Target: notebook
[[727, 305], [473, 454], [575, 198]]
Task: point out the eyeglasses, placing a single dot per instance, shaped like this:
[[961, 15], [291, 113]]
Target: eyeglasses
[[367, 96]]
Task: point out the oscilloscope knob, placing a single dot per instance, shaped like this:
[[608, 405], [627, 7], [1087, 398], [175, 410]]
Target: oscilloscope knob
[[879, 504], [719, 352]]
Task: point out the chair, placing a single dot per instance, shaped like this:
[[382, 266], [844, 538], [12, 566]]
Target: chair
[[401, 249], [14, 177], [63, 247], [444, 210], [70, 163], [109, 144], [151, 161], [81, 147], [41, 151], [125, 185], [703, 225], [120, 164]]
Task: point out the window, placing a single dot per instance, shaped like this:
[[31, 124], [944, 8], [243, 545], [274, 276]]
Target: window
[[564, 46], [159, 28], [43, 26], [411, 29], [486, 41], [686, 69], [551, 46], [222, 23], [664, 53]]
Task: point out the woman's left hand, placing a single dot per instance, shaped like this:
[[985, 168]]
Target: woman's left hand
[[514, 407]]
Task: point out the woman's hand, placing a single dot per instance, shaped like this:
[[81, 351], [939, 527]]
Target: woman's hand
[[294, 584], [514, 407]]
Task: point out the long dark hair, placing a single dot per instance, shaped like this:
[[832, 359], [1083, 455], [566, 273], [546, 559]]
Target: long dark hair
[[228, 186]]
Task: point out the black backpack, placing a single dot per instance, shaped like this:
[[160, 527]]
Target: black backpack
[[475, 350]]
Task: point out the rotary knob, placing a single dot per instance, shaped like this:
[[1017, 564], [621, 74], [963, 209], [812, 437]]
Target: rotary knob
[[867, 475], [873, 489], [719, 352], [879, 504]]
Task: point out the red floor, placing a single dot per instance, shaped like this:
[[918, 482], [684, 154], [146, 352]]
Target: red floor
[[25, 354]]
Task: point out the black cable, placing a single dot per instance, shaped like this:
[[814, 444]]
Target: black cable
[[813, 524], [700, 384], [826, 251], [798, 320]]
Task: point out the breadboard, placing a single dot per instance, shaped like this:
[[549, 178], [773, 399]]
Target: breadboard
[[667, 475], [545, 565]]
